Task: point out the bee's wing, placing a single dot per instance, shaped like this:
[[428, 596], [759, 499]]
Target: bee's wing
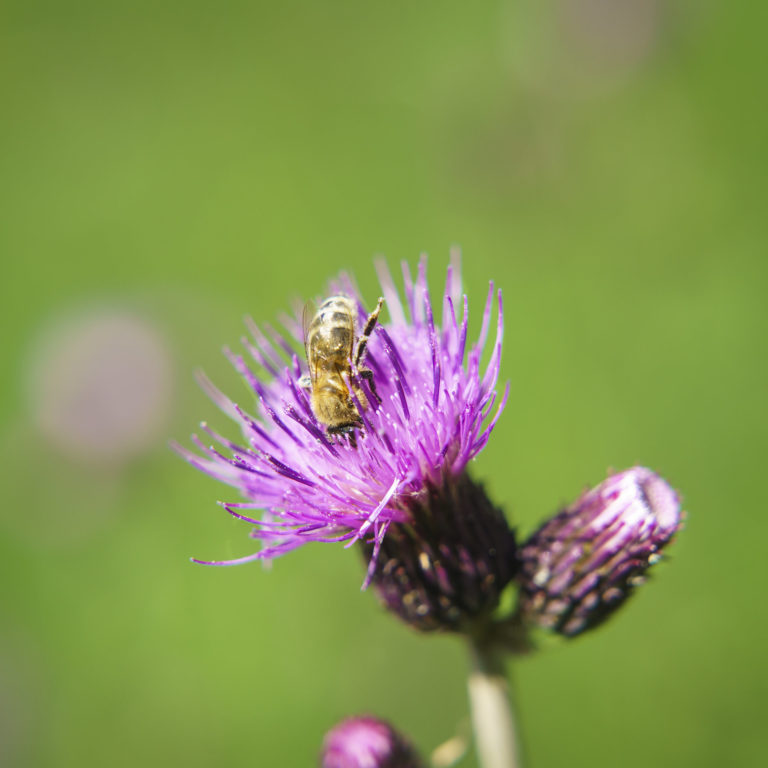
[[307, 316]]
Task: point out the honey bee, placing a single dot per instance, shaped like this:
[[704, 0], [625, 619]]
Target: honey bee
[[330, 344]]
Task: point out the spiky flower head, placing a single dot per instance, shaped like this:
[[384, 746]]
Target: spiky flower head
[[367, 742], [400, 486], [581, 565]]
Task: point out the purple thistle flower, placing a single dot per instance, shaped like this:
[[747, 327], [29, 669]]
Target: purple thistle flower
[[401, 478], [581, 565], [367, 742]]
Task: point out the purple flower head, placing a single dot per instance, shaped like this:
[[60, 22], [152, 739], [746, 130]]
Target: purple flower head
[[428, 407], [366, 742], [583, 563]]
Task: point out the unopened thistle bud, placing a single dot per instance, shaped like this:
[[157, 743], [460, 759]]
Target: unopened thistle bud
[[581, 565], [367, 742]]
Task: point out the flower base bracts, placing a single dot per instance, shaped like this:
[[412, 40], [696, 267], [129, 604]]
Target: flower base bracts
[[447, 566]]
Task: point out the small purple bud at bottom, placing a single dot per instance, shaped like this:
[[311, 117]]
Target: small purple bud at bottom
[[447, 567], [581, 565], [367, 742]]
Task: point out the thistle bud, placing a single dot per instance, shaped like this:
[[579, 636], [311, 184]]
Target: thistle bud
[[367, 742], [581, 565]]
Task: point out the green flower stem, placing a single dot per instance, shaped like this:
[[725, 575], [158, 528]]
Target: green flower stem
[[493, 719]]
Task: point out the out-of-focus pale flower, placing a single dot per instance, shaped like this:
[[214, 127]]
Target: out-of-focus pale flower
[[100, 385]]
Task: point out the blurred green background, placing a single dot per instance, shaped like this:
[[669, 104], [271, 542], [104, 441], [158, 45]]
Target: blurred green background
[[168, 168]]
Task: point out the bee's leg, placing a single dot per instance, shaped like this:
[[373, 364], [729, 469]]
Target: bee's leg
[[345, 430], [370, 324], [367, 374]]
